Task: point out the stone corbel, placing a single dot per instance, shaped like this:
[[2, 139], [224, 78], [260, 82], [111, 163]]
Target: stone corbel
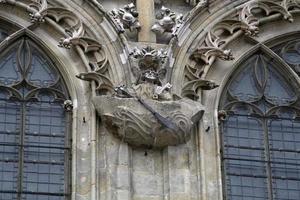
[[146, 113]]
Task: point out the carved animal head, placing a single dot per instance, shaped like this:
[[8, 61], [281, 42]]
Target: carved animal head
[[209, 85], [251, 30], [226, 55]]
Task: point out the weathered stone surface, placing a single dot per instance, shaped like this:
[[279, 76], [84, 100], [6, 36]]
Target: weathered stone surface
[[129, 120]]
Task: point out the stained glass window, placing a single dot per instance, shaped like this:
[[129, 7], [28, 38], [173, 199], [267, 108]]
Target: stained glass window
[[261, 131], [34, 126]]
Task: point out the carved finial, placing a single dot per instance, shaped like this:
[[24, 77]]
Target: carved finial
[[168, 22], [126, 18], [39, 11], [68, 105]]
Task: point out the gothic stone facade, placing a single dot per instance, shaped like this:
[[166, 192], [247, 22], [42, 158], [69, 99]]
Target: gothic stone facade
[[145, 79]]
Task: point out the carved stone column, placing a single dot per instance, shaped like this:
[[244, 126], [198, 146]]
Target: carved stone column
[[146, 18]]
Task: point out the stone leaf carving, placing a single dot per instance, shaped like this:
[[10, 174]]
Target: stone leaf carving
[[167, 22], [212, 47], [133, 123], [195, 83], [126, 18]]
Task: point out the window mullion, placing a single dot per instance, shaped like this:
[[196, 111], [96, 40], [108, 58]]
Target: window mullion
[[268, 159], [21, 149]]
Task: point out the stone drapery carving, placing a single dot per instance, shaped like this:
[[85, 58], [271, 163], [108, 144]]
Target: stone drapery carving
[[133, 123], [167, 22], [126, 18]]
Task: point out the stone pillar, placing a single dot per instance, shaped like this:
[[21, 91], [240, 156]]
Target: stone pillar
[[146, 18]]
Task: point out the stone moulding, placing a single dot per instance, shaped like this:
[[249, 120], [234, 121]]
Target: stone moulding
[[130, 121]]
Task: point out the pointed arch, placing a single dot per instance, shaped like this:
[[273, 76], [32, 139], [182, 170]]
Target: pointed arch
[[260, 129]]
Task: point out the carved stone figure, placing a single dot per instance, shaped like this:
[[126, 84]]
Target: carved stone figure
[[147, 114], [126, 18], [168, 22]]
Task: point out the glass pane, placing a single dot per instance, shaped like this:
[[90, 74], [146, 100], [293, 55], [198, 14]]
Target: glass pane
[[9, 72], [40, 73], [285, 158], [244, 158], [247, 91], [9, 146], [290, 53], [44, 152]]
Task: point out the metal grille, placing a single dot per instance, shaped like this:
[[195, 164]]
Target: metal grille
[[34, 141], [261, 134]]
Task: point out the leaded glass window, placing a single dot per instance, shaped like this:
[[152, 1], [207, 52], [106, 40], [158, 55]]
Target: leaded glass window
[[261, 130], [34, 126]]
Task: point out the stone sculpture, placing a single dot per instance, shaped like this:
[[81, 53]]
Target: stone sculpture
[[126, 18], [168, 22], [147, 114]]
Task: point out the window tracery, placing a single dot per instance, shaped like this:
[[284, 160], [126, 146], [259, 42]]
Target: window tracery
[[34, 139], [261, 133]]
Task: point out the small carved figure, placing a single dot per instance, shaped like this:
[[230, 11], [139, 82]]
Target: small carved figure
[[168, 22], [68, 105], [126, 18]]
